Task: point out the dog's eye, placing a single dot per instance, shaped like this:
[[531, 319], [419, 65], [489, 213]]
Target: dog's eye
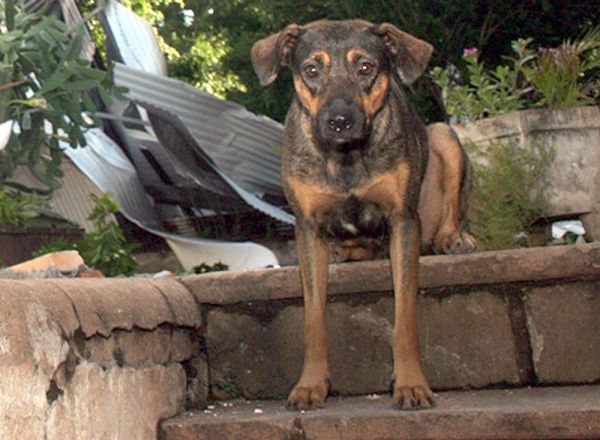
[[366, 68], [311, 71]]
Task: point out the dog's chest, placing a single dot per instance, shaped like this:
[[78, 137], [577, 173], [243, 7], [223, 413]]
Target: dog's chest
[[351, 218]]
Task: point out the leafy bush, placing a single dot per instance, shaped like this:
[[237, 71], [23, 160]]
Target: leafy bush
[[17, 209], [105, 249], [44, 87], [508, 192], [568, 75], [565, 76]]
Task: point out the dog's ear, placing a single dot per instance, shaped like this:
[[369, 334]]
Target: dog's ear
[[269, 54], [409, 54]]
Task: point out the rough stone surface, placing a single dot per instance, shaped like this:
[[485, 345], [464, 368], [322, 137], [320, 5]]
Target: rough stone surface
[[250, 359], [139, 348], [466, 341], [481, 268], [545, 413], [564, 326], [198, 382], [101, 359], [32, 325], [574, 133], [103, 305], [95, 405]]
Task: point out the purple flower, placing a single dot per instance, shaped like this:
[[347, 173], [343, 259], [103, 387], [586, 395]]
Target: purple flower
[[470, 51]]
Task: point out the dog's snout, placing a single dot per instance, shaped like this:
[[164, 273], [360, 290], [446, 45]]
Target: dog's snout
[[340, 122]]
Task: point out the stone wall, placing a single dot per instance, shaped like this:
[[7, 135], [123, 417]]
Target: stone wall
[[514, 318], [110, 358], [93, 359]]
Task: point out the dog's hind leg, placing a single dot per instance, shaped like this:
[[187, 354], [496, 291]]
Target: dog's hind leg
[[444, 194]]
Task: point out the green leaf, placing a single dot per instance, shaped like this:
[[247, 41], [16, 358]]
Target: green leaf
[[87, 72], [10, 11], [74, 47], [54, 81], [88, 103], [80, 86], [106, 98]]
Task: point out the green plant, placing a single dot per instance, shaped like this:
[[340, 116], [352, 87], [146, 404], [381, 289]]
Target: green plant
[[229, 384], [17, 209], [44, 87], [508, 192], [568, 75], [487, 92], [561, 77], [105, 249], [60, 244]]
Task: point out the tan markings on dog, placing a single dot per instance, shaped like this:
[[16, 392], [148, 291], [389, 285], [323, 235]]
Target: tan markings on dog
[[323, 58], [388, 191], [354, 55], [441, 191], [309, 102], [377, 96], [314, 200]]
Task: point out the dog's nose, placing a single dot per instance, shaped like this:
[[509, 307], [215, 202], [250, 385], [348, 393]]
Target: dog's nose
[[340, 122]]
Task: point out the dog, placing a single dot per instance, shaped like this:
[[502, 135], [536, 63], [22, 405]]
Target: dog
[[359, 168]]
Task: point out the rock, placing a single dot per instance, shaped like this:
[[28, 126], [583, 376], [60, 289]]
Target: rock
[[564, 328], [94, 406]]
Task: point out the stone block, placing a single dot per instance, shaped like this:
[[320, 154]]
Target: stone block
[[524, 414], [116, 403], [564, 328], [466, 341]]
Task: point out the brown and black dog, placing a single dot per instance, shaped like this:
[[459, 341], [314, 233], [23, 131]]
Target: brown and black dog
[[359, 166]]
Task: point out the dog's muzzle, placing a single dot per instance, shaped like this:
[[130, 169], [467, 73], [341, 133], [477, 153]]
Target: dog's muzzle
[[341, 124]]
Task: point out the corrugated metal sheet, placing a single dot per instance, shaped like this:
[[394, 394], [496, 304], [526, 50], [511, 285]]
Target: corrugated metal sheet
[[72, 201], [245, 146], [127, 34], [104, 163]]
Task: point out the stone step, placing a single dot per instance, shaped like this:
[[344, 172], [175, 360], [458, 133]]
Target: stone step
[[571, 412]]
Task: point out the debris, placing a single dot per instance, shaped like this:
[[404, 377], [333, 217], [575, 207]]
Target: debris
[[559, 229]]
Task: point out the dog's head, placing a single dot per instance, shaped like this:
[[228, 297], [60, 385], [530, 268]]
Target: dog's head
[[342, 72]]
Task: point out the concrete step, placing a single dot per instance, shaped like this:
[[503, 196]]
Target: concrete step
[[571, 412]]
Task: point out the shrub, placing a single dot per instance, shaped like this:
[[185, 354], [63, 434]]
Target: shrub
[[561, 77], [105, 249], [17, 209], [44, 88], [508, 192]]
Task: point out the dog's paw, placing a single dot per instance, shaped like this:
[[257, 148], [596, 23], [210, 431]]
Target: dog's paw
[[412, 396], [457, 243], [308, 395]]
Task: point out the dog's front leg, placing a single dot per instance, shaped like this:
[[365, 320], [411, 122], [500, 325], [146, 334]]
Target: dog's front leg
[[410, 389], [313, 256]]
